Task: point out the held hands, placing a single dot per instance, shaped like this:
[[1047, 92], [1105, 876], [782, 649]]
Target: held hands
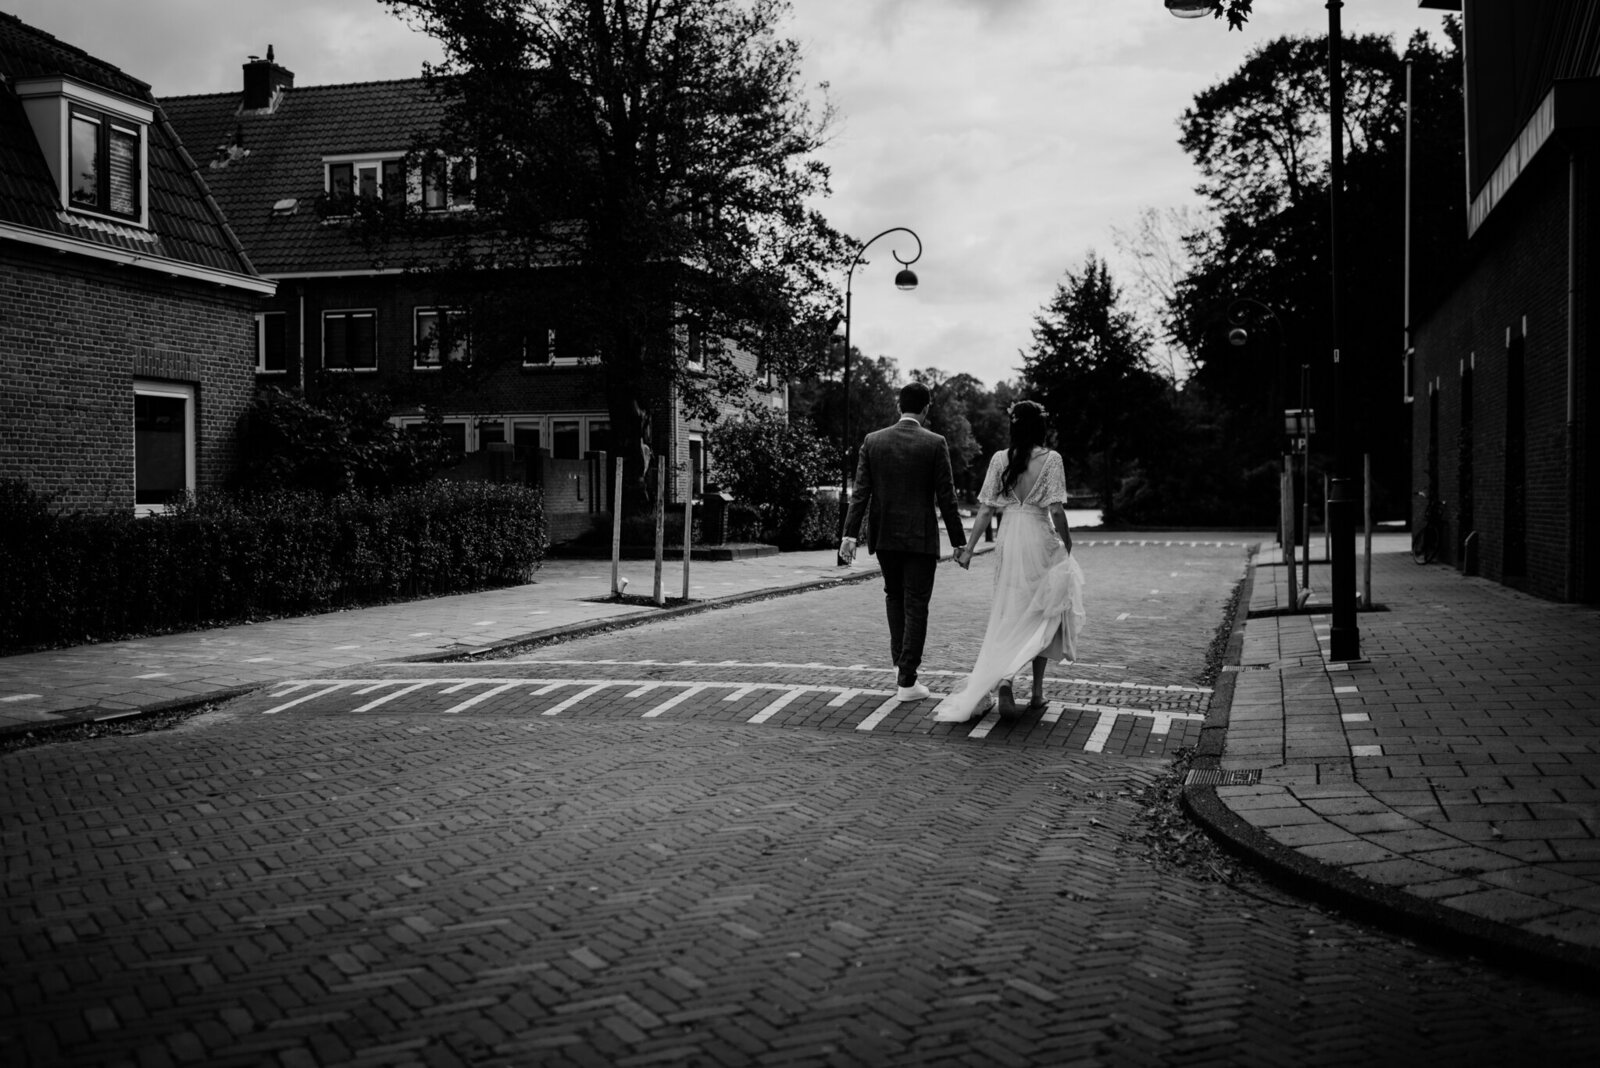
[[963, 557]]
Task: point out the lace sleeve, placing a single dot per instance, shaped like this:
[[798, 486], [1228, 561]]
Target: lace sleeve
[[1052, 481], [989, 496]]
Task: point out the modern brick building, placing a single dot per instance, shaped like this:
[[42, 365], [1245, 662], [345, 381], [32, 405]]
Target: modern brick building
[[294, 167], [126, 303], [1502, 376]]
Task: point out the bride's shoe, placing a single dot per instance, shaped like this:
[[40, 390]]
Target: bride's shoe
[[1006, 704]]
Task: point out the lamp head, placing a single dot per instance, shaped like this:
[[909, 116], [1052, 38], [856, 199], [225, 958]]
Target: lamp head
[[1191, 9], [1238, 337], [906, 279]]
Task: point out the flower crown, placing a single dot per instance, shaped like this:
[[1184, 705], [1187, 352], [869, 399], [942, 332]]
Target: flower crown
[[1028, 405]]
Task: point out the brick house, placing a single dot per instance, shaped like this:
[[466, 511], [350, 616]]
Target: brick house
[[126, 303], [1502, 368], [287, 163]]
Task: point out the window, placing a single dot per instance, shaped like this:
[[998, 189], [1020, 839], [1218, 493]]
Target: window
[[272, 344], [694, 345], [375, 178], [106, 169], [697, 466], [539, 347], [349, 341], [566, 439], [446, 184], [491, 432], [599, 436], [525, 438], [439, 331], [163, 444]]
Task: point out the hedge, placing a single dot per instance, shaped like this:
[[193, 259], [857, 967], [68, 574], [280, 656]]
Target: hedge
[[75, 577]]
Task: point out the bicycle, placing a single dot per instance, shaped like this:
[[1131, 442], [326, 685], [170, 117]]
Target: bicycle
[[1428, 536]]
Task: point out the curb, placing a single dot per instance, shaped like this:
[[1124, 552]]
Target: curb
[[1394, 910]]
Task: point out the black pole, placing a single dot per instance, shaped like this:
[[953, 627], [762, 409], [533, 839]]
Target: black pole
[[847, 473], [1344, 639]]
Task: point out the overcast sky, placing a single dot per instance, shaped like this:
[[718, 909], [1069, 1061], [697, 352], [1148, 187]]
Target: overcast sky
[[1011, 135]]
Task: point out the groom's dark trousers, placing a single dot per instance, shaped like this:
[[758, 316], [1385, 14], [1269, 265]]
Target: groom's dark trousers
[[903, 481]]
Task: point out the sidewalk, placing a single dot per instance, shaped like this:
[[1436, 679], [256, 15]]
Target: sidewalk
[[111, 679], [1447, 784]]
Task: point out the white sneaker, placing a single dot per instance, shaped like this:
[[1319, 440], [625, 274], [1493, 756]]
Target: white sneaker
[[914, 692]]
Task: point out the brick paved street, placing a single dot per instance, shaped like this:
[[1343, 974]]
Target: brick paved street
[[459, 878]]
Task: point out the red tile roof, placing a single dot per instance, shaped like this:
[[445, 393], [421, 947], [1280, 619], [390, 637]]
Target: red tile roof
[[185, 224]]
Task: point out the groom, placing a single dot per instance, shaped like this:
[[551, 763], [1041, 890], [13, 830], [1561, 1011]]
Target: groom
[[903, 473]]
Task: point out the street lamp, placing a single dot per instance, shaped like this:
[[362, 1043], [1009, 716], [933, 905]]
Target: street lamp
[[1298, 422], [1344, 637], [905, 279]]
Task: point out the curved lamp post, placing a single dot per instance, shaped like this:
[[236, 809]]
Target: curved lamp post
[[905, 278], [1242, 311], [1344, 637]]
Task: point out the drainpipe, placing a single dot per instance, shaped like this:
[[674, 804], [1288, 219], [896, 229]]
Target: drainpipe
[[1573, 543], [300, 290]]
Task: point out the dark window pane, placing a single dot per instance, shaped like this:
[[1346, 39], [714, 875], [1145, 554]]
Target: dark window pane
[[599, 436], [341, 178], [455, 437], [363, 338], [85, 162], [335, 344], [394, 181], [272, 345], [491, 434], [435, 188], [160, 464], [564, 440], [525, 439]]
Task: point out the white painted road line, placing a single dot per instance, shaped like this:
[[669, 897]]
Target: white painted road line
[[843, 698], [775, 707], [740, 694], [1101, 732], [643, 689], [484, 696], [878, 715], [673, 702], [308, 697], [370, 705], [985, 725], [556, 710]]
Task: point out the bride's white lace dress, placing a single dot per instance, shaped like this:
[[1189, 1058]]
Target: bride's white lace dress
[[1038, 586]]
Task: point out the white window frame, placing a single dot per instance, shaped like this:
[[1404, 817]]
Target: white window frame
[[436, 361], [358, 162], [168, 390], [261, 343], [371, 313], [451, 163]]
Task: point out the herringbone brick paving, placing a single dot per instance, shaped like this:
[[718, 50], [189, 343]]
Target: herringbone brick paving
[[316, 887]]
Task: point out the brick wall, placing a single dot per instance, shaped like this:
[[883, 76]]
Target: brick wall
[[1516, 285], [75, 334]]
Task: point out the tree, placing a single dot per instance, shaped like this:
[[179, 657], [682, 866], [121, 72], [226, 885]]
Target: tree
[[1158, 248], [1261, 142], [947, 415], [874, 389], [1089, 365], [662, 153]]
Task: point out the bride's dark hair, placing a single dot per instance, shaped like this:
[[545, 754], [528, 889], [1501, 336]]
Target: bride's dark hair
[[1029, 428]]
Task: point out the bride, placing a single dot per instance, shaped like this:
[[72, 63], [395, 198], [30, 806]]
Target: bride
[[1037, 612]]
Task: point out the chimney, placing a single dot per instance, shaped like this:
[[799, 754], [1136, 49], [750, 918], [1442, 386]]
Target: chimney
[[264, 82]]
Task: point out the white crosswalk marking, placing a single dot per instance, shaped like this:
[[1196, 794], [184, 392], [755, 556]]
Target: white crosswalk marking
[[557, 709], [1101, 732], [775, 707], [370, 705], [674, 702], [878, 715], [308, 697], [484, 696]]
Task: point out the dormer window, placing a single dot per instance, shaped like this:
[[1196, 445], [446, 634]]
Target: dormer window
[[374, 178], [447, 184], [104, 164], [95, 143]]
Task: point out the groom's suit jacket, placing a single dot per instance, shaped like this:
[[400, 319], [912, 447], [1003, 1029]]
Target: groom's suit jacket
[[902, 476]]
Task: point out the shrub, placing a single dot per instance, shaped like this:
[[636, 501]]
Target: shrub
[[343, 443], [220, 558]]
